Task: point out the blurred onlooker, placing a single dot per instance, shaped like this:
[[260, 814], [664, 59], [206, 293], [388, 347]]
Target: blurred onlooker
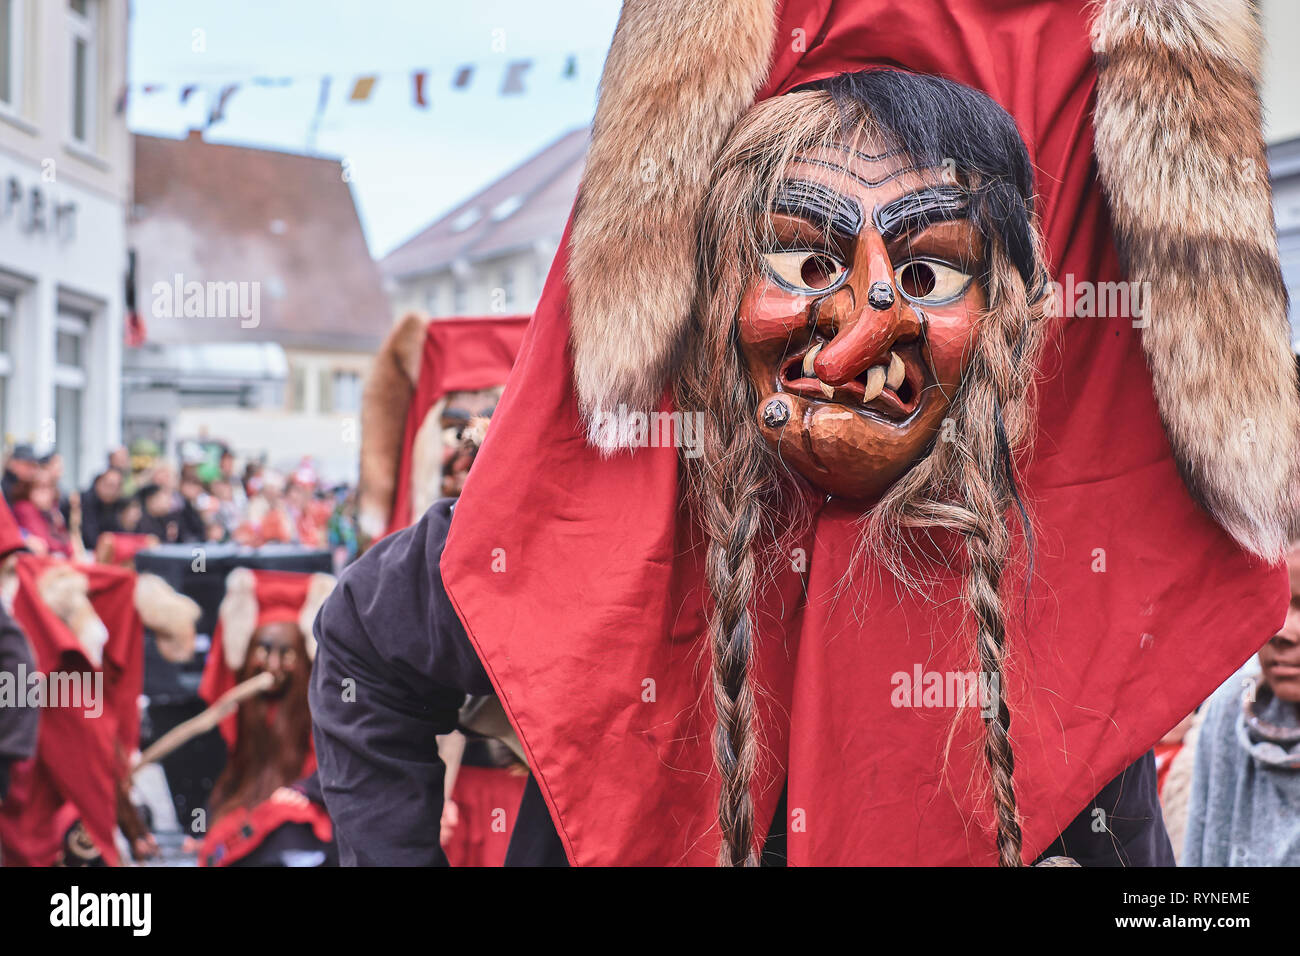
[[342, 528], [120, 459], [21, 466], [189, 516], [35, 508], [130, 514], [1244, 808], [235, 484], [100, 506], [164, 476], [308, 514], [18, 725], [266, 519], [157, 514], [227, 511]]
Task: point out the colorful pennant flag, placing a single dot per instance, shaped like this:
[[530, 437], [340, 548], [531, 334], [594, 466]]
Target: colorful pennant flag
[[218, 112], [514, 81], [420, 76], [362, 89], [463, 76]]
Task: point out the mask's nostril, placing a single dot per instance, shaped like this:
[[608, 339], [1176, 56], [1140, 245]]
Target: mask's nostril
[[880, 296]]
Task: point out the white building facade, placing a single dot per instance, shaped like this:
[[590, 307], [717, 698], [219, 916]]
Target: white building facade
[[65, 167]]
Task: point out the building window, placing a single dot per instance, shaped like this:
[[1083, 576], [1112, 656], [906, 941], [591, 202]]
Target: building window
[[83, 27], [297, 390], [71, 331], [459, 295], [507, 288], [11, 53], [431, 300], [345, 389], [325, 398], [6, 362]]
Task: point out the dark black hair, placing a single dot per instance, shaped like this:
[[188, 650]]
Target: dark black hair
[[939, 121]]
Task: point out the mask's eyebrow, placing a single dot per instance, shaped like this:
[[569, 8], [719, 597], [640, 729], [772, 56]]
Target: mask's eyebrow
[[918, 209], [821, 205]]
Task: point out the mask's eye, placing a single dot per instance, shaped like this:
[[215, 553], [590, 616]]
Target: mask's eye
[[805, 272], [930, 282]]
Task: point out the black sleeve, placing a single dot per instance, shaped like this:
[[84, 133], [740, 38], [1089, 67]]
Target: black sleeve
[[392, 668], [17, 724], [1123, 826]]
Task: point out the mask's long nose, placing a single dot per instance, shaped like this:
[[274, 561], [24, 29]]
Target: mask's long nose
[[863, 319]]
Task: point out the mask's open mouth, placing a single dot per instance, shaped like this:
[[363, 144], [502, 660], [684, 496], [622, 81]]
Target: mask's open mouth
[[892, 389]]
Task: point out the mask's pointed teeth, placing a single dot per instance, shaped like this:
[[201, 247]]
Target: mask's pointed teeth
[[875, 383], [808, 358], [897, 372], [827, 390]]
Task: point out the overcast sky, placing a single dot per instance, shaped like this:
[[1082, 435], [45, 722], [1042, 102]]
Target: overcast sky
[[408, 164]]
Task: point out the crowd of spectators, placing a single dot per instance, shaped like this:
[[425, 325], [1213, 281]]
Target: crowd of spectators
[[199, 502]]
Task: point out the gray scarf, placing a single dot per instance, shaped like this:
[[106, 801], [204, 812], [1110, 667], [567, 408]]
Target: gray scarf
[[1245, 800]]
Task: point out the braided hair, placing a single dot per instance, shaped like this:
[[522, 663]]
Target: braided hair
[[739, 490]]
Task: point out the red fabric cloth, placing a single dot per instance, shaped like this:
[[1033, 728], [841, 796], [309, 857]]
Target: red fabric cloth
[[487, 799], [11, 538], [1165, 754], [1102, 663], [126, 545], [460, 355], [79, 758], [241, 831], [32, 520]]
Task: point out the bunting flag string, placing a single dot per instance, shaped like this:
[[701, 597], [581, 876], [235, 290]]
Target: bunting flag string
[[461, 78]]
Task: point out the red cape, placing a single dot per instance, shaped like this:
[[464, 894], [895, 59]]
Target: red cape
[[78, 759], [601, 592], [11, 538], [459, 355], [487, 799]]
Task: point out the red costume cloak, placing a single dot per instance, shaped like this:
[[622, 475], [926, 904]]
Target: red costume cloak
[[586, 604]]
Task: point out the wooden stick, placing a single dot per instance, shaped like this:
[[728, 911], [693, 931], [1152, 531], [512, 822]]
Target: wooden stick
[[451, 749], [223, 707]]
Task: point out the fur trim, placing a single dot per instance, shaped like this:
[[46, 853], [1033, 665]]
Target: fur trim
[[425, 470], [170, 615], [66, 592], [317, 591], [680, 73], [387, 396], [1182, 160], [238, 614]]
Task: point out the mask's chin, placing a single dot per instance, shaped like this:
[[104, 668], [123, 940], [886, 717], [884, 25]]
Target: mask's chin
[[845, 447]]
